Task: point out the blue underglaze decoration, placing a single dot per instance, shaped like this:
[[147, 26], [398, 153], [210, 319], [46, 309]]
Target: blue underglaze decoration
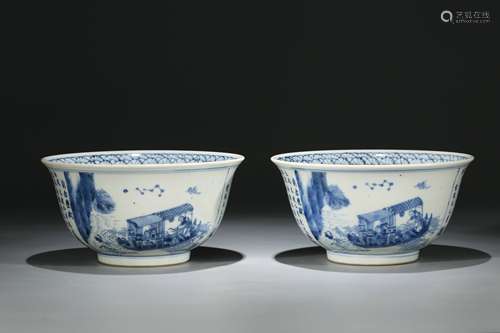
[[378, 228], [154, 231], [142, 158], [104, 204], [315, 196], [84, 198], [371, 158], [420, 242], [452, 199], [387, 185], [422, 185], [193, 190], [157, 189]]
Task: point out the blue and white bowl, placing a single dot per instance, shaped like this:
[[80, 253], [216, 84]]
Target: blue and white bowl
[[372, 207], [142, 208]]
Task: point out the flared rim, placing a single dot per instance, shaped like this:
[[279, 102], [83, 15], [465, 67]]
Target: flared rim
[[199, 160], [289, 160]]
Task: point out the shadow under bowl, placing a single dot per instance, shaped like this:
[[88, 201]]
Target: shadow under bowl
[[432, 258], [83, 260]]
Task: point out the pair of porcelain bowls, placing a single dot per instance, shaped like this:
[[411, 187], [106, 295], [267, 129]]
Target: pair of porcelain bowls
[[151, 208]]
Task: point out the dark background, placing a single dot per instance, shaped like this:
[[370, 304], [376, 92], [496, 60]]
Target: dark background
[[256, 78]]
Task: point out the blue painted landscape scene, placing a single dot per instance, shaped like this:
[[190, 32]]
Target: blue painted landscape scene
[[393, 225], [153, 232], [315, 196], [85, 198], [174, 228], [402, 224]]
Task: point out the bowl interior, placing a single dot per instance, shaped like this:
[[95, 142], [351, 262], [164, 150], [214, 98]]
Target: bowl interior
[[141, 158], [372, 157]]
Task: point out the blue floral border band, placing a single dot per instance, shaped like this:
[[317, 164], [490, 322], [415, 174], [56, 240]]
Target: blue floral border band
[[141, 158], [371, 158]]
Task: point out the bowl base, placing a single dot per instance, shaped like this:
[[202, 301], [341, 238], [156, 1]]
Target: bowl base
[[370, 259], [151, 261]]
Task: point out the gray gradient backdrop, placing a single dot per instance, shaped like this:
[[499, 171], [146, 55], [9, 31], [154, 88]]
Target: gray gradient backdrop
[[258, 274]]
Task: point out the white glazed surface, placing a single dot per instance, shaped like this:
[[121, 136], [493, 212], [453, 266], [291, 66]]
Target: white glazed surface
[[191, 200], [369, 192]]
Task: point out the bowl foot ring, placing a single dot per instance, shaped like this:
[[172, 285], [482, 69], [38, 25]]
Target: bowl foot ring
[[150, 261], [371, 259]]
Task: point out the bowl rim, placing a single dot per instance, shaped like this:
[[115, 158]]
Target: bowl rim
[[372, 167], [235, 160]]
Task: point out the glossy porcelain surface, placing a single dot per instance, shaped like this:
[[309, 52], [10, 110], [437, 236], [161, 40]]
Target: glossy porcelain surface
[[372, 207], [143, 208]]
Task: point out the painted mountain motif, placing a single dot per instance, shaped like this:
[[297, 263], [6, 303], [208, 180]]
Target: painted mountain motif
[[315, 196], [85, 198]]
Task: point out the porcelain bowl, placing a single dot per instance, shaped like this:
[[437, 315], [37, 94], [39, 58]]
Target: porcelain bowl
[[372, 207], [142, 208]]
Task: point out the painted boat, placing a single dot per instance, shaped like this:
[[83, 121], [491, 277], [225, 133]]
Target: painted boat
[[393, 225]]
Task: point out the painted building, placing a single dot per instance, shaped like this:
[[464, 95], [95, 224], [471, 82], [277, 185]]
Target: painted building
[[380, 227], [150, 231]]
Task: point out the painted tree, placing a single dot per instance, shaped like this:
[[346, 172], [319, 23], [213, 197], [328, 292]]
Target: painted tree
[[84, 198], [318, 194]]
